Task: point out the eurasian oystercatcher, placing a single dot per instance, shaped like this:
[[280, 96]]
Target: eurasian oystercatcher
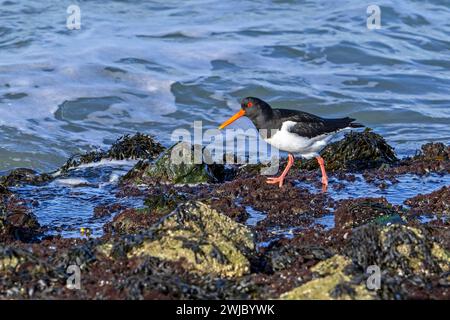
[[292, 131]]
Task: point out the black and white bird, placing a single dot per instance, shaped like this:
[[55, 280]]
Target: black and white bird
[[293, 131]]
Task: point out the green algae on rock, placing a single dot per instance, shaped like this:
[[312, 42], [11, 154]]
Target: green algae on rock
[[357, 151], [207, 241], [331, 282], [181, 163]]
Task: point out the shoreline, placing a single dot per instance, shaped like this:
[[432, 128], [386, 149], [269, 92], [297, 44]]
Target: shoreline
[[192, 239]]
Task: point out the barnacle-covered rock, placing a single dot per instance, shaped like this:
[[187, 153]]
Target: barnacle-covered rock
[[357, 151], [331, 282], [207, 241]]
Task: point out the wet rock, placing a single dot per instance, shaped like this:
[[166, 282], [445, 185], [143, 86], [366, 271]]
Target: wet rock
[[139, 146], [162, 201], [405, 250], [331, 282], [101, 211], [4, 190], [21, 176], [130, 221], [437, 202], [286, 207], [182, 163], [433, 158], [434, 151], [23, 275], [150, 278], [16, 221], [407, 257], [355, 212], [357, 151], [283, 255], [207, 241]]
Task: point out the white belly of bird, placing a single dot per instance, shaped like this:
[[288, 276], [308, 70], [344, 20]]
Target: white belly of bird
[[293, 143]]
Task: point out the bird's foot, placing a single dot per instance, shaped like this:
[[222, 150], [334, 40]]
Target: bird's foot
[[275, 180]]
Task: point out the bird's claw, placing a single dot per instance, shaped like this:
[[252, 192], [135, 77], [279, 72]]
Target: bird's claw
[[275, 180], [324, 184]]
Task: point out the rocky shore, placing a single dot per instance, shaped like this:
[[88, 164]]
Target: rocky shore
[[221, 232]]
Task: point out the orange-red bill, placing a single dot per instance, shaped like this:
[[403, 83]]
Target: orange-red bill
[[239, 114]]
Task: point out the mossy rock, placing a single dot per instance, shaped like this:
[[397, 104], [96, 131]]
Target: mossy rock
[[184, 163], [357, 151], [331, 283], [207, 241]]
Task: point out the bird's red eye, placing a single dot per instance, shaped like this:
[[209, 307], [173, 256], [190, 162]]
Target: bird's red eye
[[250, 104]]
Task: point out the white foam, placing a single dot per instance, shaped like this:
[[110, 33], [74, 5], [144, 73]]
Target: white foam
[[72, 181]]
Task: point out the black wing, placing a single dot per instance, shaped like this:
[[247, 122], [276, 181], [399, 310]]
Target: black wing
[[309, 125]]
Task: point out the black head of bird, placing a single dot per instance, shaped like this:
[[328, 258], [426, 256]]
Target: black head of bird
[[253, 108]]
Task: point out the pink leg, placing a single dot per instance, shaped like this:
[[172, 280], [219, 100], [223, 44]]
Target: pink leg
[[324, 173], [280, 179]]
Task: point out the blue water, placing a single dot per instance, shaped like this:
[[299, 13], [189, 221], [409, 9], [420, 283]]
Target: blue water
[[155, 66]]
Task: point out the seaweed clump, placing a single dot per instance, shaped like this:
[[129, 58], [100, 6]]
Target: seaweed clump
[[357, 151], [434, 151], [139, 146], [355, 212], [436, 202], [408, 258], [21, 176], [16, 221]]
